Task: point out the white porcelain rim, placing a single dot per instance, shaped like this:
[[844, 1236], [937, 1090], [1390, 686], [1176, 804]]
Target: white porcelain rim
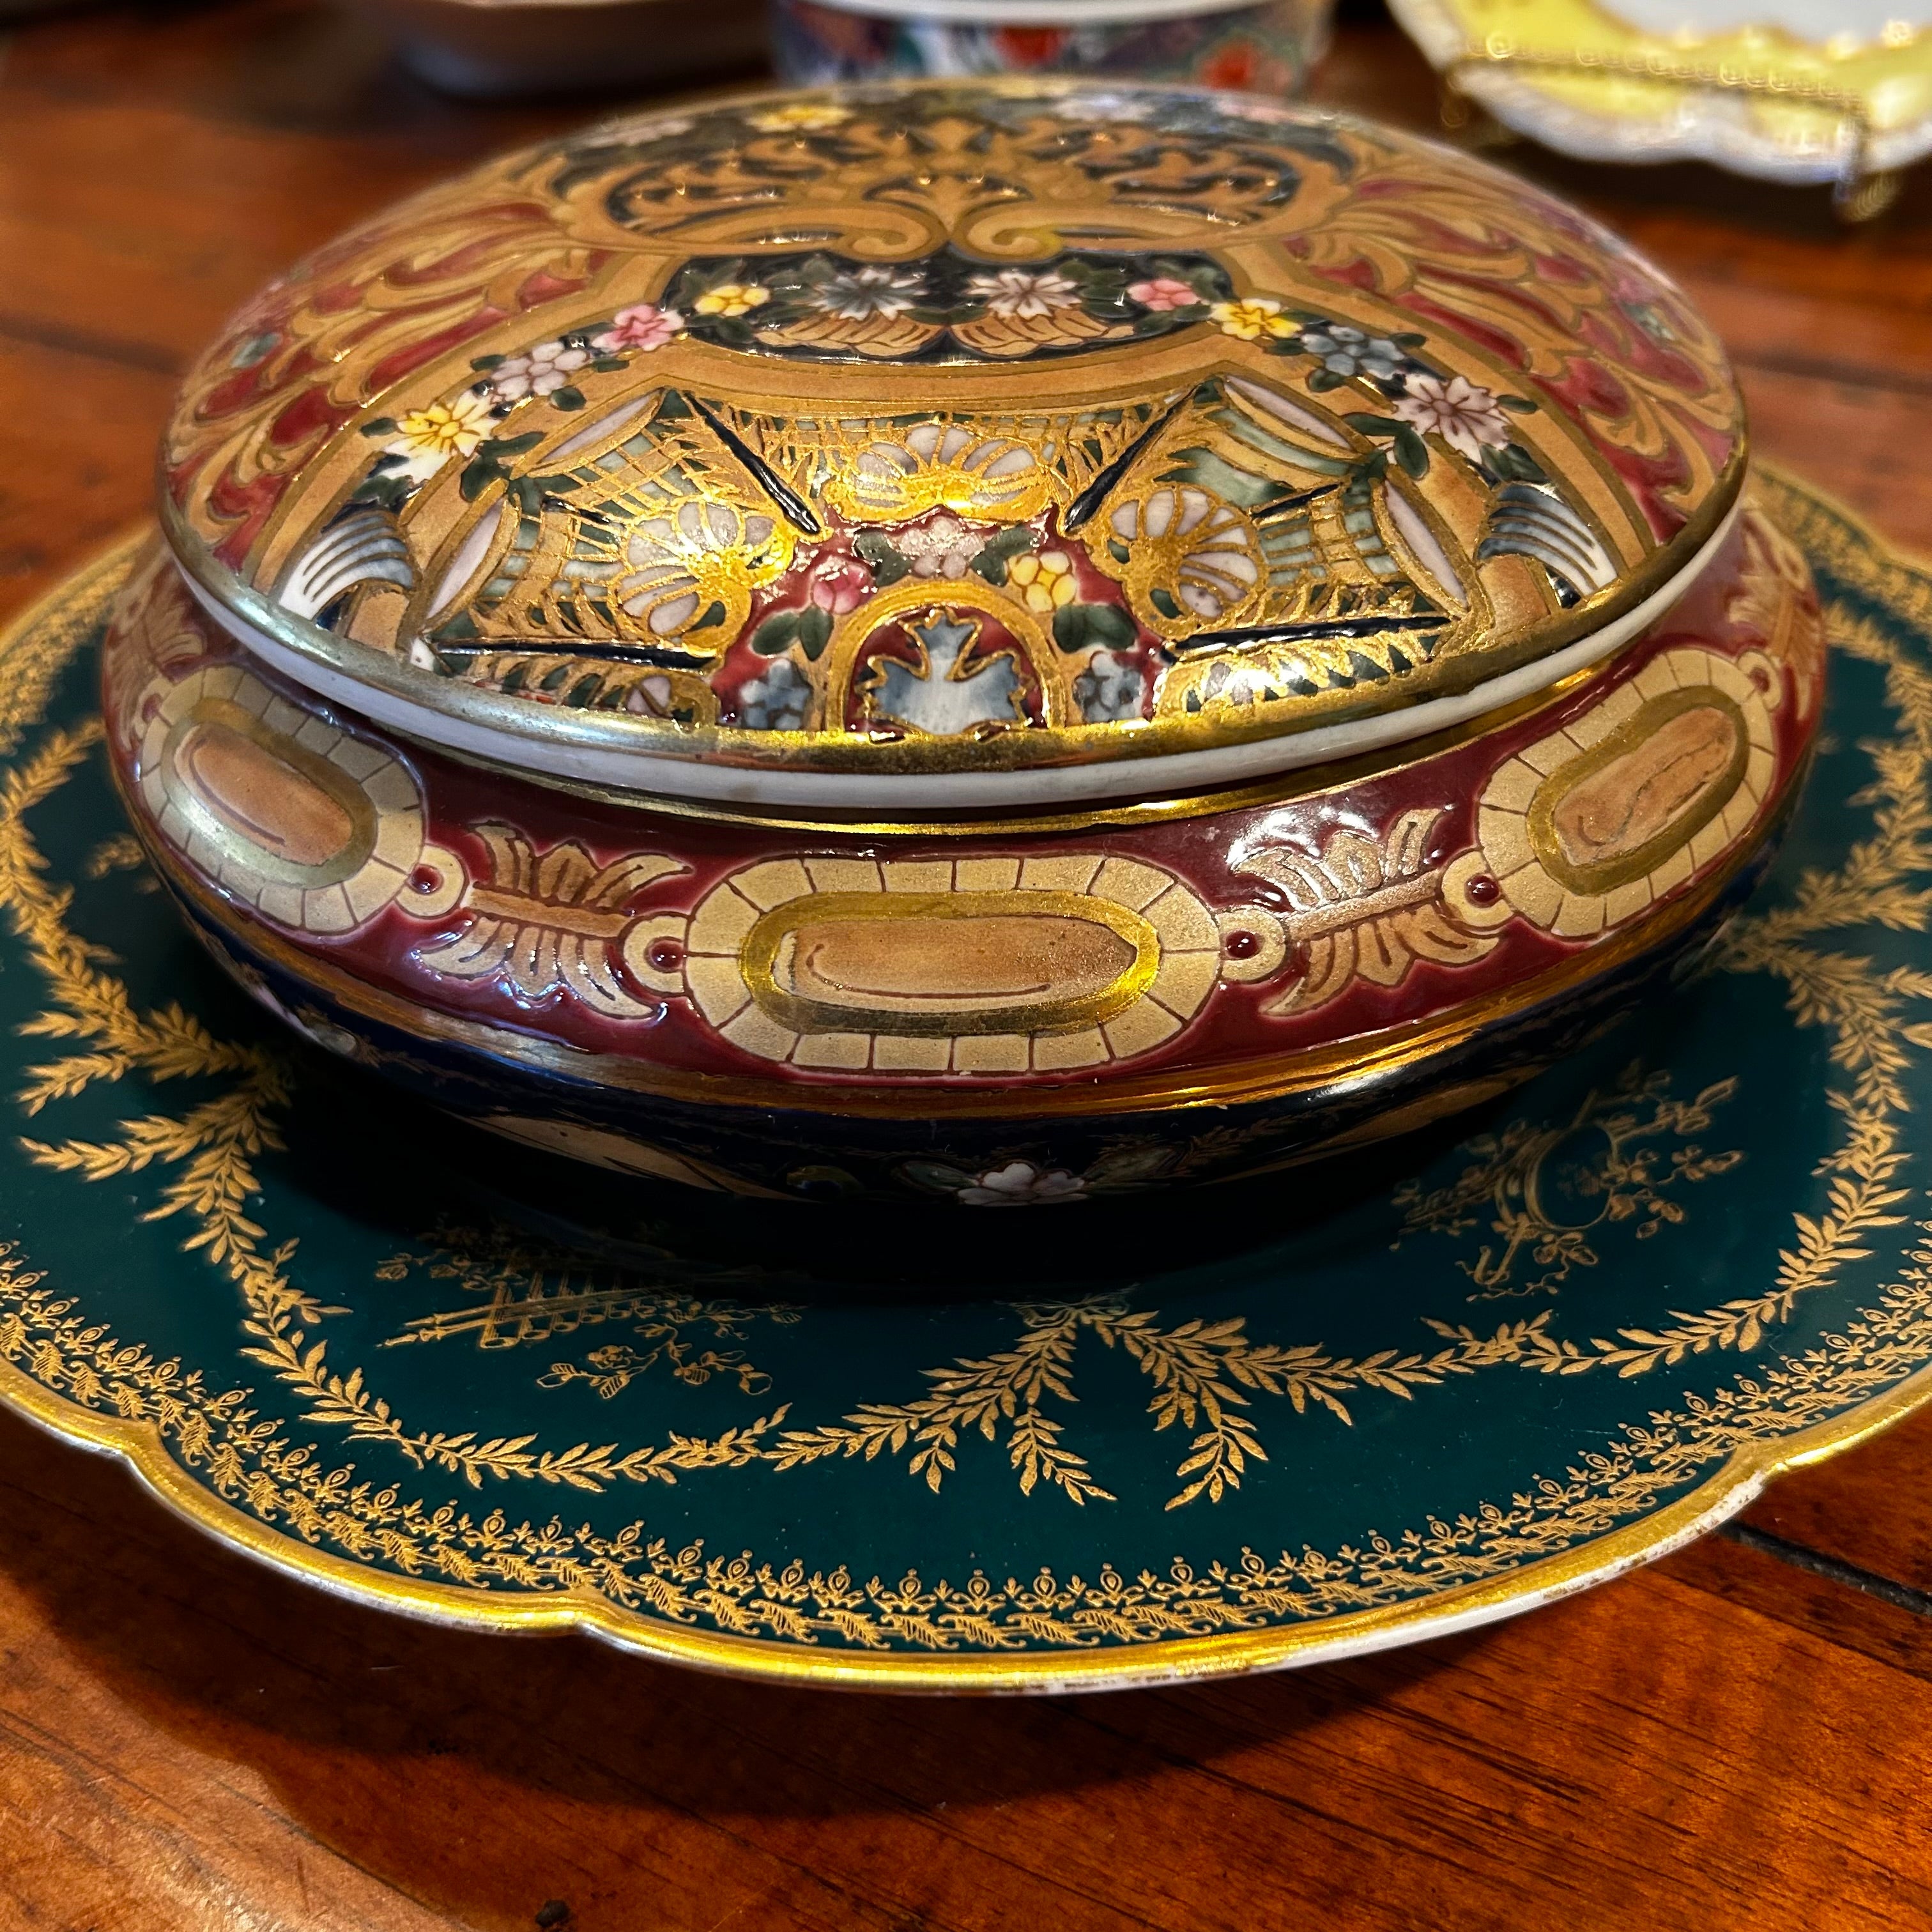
[[647, 775]]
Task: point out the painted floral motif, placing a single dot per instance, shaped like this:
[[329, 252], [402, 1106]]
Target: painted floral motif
[[1021, 1184], [828, 305], [733, 299], [781, 700], [1111, 688], [943, 547], [1163, 295], [1466, 416], [857, 294], [1045, 582], [426, 438], [644, 326], [1023, 295], [1233, 517], [1253, 318], [1095, 105], [840, 586], [1345, 351], [801, 117], [542, 371]]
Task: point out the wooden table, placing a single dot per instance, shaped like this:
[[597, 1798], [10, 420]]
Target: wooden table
[[1740, 1737]]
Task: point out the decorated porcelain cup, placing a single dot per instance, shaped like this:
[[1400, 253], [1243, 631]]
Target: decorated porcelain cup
[[990, 642], [1266, 46]]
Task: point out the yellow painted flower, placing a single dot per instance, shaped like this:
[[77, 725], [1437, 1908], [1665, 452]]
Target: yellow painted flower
[[454, 429], [1258, 316], [801, 117], [733, 299], [1044, 582]]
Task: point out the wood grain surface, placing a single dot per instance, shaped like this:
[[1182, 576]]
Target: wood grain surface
[[1740, 1737]]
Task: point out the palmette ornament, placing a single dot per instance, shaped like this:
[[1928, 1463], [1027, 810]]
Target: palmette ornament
[[997, 642]]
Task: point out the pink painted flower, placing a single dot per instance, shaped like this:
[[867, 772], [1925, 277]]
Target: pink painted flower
[[1164, 294], [840, 587], [1464, 414], [645, 326]]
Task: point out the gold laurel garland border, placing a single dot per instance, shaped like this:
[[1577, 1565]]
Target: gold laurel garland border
[[167, 1423]]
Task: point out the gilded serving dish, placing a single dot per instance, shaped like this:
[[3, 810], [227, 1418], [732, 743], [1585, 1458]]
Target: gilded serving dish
[[1797, 90], [965, 640]]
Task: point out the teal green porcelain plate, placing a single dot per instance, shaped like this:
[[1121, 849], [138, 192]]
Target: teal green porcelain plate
[[1104, 1441]]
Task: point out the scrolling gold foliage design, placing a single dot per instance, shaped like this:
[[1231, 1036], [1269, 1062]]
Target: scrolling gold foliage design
[[1507, 1177]]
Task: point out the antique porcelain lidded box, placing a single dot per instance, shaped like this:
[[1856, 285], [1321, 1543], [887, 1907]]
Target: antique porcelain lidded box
[[1002, 641]]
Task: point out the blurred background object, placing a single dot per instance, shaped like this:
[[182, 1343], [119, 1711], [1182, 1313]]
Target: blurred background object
[[1798, 91], [496, 48], [1265, 48]]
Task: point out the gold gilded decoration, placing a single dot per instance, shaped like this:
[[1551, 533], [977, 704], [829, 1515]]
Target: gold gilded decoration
[[1777, 601], [1367, 908], [1198, 1371], [905, 173], [707, 554], [1311, 405], [1516, 1177], [546, 923], [314, 827], [621, 1154], [521, 1296], [973, 468], [1193, 560], [654, 534], [159, 632], [1590, 825], [952, 963], [914, 966]]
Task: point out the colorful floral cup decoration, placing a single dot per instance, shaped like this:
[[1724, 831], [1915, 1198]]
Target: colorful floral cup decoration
[[1000, 643], [1263, 46]]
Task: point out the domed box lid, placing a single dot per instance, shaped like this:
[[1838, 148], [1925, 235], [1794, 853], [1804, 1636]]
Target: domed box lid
[[954, 444]]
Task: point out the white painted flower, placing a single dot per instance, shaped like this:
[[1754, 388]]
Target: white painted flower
[[636, 129], [1021, 293], [1021, 1184], [1465, 416], [857, 294], [1110, 689], [943, 548], [781, 700], [426, 438], [540, 371]]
